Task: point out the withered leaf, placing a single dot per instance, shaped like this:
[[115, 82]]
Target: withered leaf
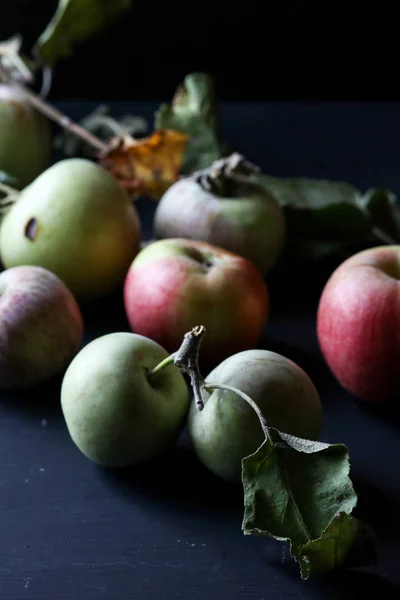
[[148, 166]]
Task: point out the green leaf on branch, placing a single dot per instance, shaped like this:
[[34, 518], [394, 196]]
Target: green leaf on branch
[[194, 111], [319, 208], [326, 218], [294, 490], [74, 22], [345, 542]]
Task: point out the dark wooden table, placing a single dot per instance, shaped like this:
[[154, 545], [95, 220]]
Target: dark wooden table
[[70, 530]]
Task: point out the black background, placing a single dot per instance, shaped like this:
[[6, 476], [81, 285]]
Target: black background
[[256, 50], [70, 530]]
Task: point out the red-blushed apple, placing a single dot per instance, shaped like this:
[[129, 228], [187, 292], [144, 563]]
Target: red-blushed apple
[[358, 324], [174, 284], [41, 326]]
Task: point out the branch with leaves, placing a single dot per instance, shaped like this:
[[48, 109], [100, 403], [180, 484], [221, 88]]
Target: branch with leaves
[[146, 166], [324, 218], [295, 490]]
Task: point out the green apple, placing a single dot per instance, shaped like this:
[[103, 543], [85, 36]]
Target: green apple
[[221, 205], [25, 137], [117, 413], [228, 429], [76, 221]]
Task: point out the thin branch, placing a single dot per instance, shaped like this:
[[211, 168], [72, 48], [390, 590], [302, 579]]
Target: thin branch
[[186, 359], [52, 113], [250, 401]]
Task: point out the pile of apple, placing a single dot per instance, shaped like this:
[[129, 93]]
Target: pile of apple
[[73, 234]]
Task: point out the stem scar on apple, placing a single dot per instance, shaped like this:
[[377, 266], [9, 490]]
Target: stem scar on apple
[[32, 229]]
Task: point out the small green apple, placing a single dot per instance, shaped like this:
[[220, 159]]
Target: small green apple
[[228, 429], [75, 220], [25, 137], [118, 414]]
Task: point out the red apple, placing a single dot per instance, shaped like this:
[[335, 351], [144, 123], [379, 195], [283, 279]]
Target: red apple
[[174, 284], [41, 326], [358, 324]]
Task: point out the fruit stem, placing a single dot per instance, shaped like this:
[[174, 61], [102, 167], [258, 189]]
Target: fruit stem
[[220, 386], [186, 359], [52, 113], [164, 363], [221, 177]]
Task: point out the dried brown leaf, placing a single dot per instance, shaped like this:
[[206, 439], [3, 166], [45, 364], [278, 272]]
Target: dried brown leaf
[[148, 166]]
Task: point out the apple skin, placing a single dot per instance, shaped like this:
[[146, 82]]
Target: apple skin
[[115, 415], [251, 223], [41, 327], [86, 228], [174, 285], [25, 137], [228, 429], [358, 324]]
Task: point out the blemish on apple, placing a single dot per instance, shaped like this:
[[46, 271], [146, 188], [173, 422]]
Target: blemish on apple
[[32, 229]]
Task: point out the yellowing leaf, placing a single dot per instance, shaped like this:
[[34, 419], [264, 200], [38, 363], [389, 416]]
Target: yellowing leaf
[[148, 166]]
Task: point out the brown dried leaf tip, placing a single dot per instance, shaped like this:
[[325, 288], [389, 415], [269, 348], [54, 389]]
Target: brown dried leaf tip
[[149, 166]]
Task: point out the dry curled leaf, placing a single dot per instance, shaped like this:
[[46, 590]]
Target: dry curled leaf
[[148, 166]]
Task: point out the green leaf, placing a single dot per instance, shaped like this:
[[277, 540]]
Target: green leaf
[[381, 206], [104, 126], [334, 549], [294, 490], [194, 111], [327, 219], [74, 22], [319, 208]]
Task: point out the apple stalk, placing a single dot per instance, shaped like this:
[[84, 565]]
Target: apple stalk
[[220, 178], [186, 359]]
